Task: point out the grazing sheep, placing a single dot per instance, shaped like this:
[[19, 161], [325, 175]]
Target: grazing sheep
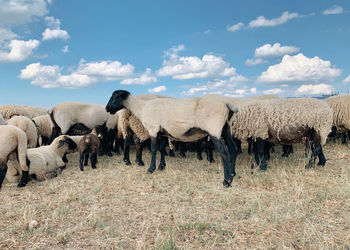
[[28, 126], [341, 114], [184, 120], [35, 111], [89, 144], [46, 160], [13, 143], [9, 111], [44, 126], [284, 121]]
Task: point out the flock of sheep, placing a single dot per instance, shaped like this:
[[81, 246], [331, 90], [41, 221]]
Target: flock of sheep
[[34, 141]]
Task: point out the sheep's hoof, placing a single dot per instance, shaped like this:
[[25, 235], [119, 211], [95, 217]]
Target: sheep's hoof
[[161, 167], [321, 163], [117, 153], [140, 162], [128, 163], [199, 157], [226, 184], [150, 171], [81, 169], [24, 179], [211, 160], [109, 154], [171, 153], [263, 168], [94, 167]]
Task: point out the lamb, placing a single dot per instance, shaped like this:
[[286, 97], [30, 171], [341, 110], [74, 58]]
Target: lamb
[[89, 144], [44, 127], [189, 120], [9, 111], [13, 143], [46, 160], [341, 114], [284, 121], [28, 126]]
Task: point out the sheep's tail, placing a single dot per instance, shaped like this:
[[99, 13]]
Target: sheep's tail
[[87, 140], [22, 151]]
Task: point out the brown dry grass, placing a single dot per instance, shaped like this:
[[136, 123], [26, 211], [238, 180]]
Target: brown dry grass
[[184, 207]]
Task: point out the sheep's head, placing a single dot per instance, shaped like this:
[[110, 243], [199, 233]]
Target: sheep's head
[[115, 103], [67, 141]]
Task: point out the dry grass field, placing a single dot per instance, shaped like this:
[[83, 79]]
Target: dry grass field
[[185, 206]]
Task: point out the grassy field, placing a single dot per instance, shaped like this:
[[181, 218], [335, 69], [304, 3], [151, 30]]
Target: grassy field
[[185, 206]]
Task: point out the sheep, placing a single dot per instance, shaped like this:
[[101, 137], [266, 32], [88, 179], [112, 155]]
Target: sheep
[[46, 160], [284, 121], [35, 111], [2, 120], [341, 114], [28, 126], [13, 143], [9, 111], [89, 144], [44, 127], [185, 120], [66, 114]]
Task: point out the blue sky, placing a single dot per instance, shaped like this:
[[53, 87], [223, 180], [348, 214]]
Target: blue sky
[[53, 51]]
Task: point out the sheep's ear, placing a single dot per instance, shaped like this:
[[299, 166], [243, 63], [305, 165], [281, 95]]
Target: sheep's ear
[[61, 143]]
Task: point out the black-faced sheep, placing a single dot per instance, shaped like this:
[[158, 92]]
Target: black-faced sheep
[[89, 144], [13, 143], [184, 120]]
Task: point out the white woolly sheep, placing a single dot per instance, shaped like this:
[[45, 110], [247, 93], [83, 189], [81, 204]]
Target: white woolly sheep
[[184, 120], [341, 112], [2, 120], [44, 126], [9, 111], [28, 126], [46, 160], [13, 143], [285, 121], [35, 111]]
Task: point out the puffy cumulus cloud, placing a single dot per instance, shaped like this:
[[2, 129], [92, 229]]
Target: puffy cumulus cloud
[[261, 21], [6, 34], [274, 91], [145, 78], [317, 89], [333, 10], [158, 89], [254, 61], [299, 68], [85, 75], [52, 23], [14, 12], [235, 27], [274, 50], [231, 86], [347, 80], [18, 50], [49, 34], [182, 68]]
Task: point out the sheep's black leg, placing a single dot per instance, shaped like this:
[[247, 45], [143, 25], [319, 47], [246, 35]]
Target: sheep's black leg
[[312, 160], [232, 148], [86, 160], [55, 132], [209, 150], [139, 148], [126, 150], [321, 158], [220, 146], [239, 145], [117, 144], [259, 153], [171, 153], [93, 160], [3, 171], [199, 149], [163, 141], [250, 146], [154, 146], [25, 176], [183, 149], [81, 161]]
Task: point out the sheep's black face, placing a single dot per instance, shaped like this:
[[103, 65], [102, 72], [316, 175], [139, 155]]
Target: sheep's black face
[[115, 103]]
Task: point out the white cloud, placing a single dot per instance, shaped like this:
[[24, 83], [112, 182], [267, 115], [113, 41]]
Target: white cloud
[[347, 80], [6, 34], [190, 67], [14, 12], [158, 89], [195, 90], [19, 50], [145, 78], [253, 90], [85, 75], [274, 50], [275, 91], [299, 68], [261, 21], [235, 27], [207, 31], [317, 89], [254, 61], [55, 34], [52, 23], [333, 10], [65, 49]]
